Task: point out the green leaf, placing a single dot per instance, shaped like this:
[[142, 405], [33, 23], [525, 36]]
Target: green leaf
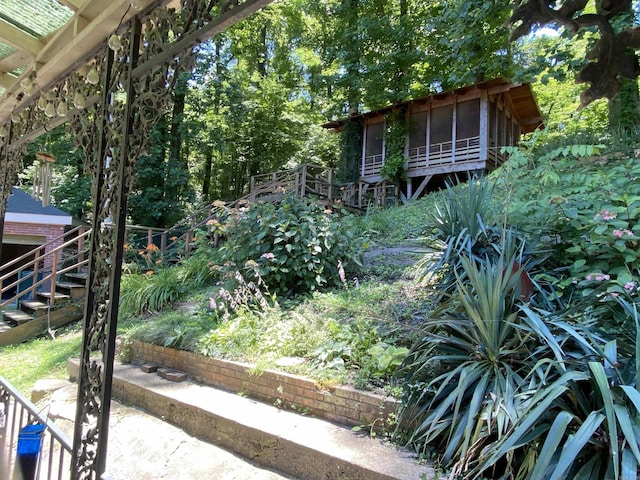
[[552, 441], [575, 443], [602, 382]]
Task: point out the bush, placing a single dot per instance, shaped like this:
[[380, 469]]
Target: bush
[[296, 246]]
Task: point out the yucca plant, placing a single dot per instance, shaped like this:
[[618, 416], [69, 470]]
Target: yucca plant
[[461, 230], [584, 425], [464, 209], [465, 376]]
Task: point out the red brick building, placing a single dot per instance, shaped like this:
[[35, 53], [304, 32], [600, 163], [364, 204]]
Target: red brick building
[[27, 225]]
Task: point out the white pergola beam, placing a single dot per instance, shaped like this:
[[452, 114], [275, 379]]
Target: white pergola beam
[[74, 5], [15, 37]]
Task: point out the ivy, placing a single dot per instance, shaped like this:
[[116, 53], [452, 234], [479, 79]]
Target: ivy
[[395, 141], [351, 154]]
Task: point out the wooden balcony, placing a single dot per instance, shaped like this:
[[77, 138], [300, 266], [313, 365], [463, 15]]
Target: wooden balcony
[[440, 158]]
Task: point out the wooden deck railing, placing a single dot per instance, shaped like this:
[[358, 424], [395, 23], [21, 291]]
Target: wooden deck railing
[[466, 150], [42, 266], [16, 411]]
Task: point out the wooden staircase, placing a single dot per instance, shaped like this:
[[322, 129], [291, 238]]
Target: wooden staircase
[[55, 280]]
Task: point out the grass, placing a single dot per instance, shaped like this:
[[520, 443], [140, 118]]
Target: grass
[[44, 357]]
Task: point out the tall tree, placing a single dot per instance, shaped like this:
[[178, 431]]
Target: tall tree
[[612, 57]]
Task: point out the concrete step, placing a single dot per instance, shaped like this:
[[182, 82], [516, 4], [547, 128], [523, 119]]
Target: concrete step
[[34, 308], [16, 317], [303, 447]]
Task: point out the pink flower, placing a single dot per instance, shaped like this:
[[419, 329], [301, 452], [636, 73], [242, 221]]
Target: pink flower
[[629, 286], [605, 215], [622, 233]]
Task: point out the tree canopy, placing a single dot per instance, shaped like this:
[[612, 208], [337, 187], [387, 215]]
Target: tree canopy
[[612, 56]]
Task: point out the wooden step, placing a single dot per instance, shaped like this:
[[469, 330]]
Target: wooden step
[[46, 296], [16, 317], [74, 290], [4, 326], [81, 276], [34, 307]]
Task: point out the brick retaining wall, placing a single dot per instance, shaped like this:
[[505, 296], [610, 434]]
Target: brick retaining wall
[[344, 405]]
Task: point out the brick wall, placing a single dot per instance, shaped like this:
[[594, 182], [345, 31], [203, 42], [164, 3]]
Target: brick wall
[[343, 405], [48, 231]]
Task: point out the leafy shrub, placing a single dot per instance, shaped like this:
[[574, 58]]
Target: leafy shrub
[[462, 376], [508, 391], [295, 245], [582, 422]]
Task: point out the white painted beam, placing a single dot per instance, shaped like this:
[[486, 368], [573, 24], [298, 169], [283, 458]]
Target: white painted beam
[[15, 37]]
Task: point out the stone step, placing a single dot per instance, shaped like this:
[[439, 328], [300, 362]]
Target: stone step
[[303, 447], [16, 317]]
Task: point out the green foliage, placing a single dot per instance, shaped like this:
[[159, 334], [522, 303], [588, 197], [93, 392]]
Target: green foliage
[[161, 187], [70, 183], [150, 292], [583, 422], [395, 139], [296, 246], [586, 208], [463, 374], [387, 357], [173, 329], [463, 210]]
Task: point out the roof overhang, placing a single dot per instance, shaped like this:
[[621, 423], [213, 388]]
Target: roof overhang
[[520, 95], [36, 218]]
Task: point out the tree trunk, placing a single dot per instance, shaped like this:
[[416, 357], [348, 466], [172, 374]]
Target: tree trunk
[[624, 108]]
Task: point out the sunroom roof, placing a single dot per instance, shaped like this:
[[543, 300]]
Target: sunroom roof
[[52, 37]]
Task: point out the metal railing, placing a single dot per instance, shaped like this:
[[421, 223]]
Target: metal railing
[[16, 412]]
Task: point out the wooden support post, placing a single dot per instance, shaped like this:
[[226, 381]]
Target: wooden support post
[[303, 191], [52, 286], [36, 271], [484, 124], [80, 244], [163, 242], [149, 237], [330, 188]]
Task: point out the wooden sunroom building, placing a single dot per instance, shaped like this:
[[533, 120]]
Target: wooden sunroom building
[[453, 132]]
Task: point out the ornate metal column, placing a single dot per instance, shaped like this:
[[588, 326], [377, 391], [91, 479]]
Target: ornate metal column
[[111, 123]]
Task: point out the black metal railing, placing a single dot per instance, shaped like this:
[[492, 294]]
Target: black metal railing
[[16, 412]]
